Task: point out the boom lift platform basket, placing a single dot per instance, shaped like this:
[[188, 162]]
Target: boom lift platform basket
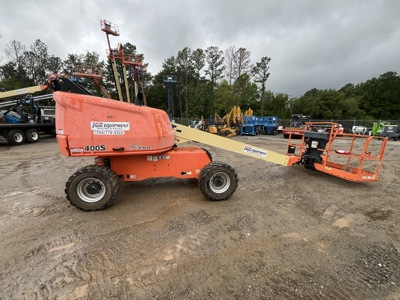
[[349, 156]]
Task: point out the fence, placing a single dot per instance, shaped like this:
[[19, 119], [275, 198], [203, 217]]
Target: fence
[[347, 124]]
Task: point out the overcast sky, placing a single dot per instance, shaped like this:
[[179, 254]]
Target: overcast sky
[[312, 43]]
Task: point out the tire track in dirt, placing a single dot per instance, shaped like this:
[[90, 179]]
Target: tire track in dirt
[[326, 280], [116, 260], [12, 167], [31, 204], [101, 269], [35, 259], [287, 233]]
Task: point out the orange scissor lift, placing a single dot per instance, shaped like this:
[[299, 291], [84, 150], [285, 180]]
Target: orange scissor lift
[[134, 143]]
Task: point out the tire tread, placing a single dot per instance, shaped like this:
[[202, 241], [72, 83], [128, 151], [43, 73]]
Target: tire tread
[[101, 170], [204, 174]]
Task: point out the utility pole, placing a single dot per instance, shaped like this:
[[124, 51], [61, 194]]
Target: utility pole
[[169, 80]]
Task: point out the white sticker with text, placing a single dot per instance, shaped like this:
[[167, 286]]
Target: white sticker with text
[[109, 128], [254, 151]]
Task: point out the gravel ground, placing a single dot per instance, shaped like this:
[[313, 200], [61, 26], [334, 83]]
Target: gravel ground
[[286, 233]]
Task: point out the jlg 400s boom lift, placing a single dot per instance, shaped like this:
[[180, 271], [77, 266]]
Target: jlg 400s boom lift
[[134, 143]]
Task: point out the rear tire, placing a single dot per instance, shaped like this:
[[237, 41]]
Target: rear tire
[[16, 137], [218, 181], [32, 135], [92, 188]]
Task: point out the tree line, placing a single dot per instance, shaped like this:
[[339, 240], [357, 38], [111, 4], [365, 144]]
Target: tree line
[[210, 81]]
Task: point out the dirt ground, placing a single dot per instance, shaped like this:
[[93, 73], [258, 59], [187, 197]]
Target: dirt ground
[[286, 233]]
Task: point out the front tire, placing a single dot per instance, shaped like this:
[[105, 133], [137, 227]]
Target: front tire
[[92, 188], [218, 181]]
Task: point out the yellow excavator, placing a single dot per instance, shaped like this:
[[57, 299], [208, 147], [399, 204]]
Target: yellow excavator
[[228, 125]]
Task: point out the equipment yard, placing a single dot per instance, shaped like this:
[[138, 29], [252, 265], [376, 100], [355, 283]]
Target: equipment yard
[[286, 233]]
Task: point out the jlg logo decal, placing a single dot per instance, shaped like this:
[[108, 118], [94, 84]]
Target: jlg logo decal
[[254, 151]]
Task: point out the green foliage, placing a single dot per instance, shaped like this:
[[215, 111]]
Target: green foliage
[[223, 98], [381, 96], [13, 77], [261, 75], [377, 98], [207, 83], [157, 95], [246, 92], [277, 105]]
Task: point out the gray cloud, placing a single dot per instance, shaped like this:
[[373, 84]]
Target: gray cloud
[[312, 43]]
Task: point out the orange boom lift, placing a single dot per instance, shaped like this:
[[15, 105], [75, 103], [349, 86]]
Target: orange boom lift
[[134, 143]]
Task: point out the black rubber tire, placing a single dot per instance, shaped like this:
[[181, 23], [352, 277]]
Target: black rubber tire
[[31, 135], [16, 137], [92, 188], [218, 181]]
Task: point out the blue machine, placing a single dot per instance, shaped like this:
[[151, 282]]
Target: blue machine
[[270, 125], [251, 125], [11, 119]]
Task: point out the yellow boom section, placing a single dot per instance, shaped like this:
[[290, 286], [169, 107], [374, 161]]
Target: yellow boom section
[[23, 91], [187, 134]]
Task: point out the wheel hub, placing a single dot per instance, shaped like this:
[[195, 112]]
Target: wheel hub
[[218, 181], [93, 188]]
